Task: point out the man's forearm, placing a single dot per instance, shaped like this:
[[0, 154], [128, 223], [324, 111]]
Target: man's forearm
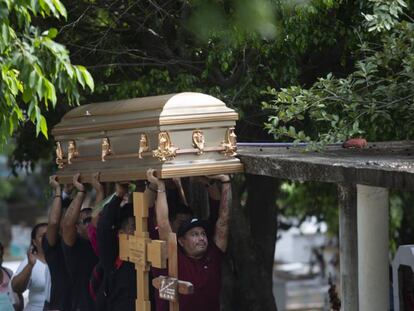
[[54, 220], [222, 224], [20, 281], [72, 214], [100, 195], [161, 210], [71, 218]]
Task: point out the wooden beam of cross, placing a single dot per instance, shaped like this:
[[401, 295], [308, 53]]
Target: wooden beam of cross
[[142, 251], [170, 286]]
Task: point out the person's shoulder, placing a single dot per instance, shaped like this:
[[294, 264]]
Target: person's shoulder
[[8, 271], [76, 245], [46, 245]]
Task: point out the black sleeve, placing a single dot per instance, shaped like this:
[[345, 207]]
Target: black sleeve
[[73, 254], [107, 233], [45, 244]]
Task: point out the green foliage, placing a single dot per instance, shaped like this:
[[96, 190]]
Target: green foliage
[[303, 200], [33, 67], [234, 21], [375, 101]]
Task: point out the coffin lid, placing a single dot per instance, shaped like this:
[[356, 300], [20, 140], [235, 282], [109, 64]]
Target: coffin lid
[[181, 108]]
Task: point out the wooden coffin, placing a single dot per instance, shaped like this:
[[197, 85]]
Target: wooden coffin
[[186, 134]]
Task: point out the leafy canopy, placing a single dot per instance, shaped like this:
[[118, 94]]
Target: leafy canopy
[[33, 67], [375, 101]]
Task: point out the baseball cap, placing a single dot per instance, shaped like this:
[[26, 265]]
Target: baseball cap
[[190, 224]]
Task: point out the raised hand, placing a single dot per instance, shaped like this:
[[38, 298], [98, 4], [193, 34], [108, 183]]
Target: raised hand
[[152, 179], [221, 177], [78, 185], [54, 183], [31, 256], [96, 184]]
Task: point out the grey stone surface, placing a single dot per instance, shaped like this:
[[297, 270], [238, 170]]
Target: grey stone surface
[[386, 164]]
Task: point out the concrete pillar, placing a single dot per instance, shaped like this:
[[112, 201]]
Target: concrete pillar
[[373, 265], [348, 243]]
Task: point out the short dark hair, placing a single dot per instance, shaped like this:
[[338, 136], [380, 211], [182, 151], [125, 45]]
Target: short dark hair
[[125, 213], [33, 234]]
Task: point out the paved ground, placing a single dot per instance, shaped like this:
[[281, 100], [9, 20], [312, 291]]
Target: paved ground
[[307, 295]]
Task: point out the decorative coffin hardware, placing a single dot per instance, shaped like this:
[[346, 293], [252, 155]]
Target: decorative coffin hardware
[[143, 146], [72, 151], [186, 134], [59, 155], [198, 141], [230, 143], [106, 148], [166, 150]]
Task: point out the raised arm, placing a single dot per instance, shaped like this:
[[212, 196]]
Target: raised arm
[[99, 188], [211, 186], [180, 190], [24, 272], [72, 214], [55, 213], [222, 225], [161, 206], [107, 234]]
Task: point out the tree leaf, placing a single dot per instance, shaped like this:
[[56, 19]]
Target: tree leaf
[[60, 8], [87, 77]]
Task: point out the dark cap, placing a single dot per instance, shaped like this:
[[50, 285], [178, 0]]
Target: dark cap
[[190, 224]]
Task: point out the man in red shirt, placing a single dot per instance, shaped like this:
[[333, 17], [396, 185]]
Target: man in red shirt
[[199, 260]]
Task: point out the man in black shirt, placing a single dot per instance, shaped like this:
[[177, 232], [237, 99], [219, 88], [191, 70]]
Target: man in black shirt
[[120, 276], [79, 255], [60, 290]]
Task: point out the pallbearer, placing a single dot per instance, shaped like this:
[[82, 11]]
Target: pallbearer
[[199, 259], [177, 135]]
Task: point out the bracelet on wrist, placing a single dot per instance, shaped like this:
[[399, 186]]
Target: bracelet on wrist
[[57, 196]]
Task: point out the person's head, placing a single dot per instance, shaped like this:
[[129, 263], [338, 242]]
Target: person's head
[[126, 220], [192, 237], [38, 231], [179, 214], [1, 254], [85, 217]]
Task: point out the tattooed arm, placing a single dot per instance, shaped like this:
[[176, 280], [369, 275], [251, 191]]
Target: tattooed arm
[[161, 206], [70, 220], [55, 212], [99, 188], [222, 225]]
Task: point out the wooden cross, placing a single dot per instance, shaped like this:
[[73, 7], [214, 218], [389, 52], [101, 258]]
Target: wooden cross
[[142, 251], [170, 286]]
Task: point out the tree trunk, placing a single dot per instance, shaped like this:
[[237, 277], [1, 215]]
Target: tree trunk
[[248, 270]]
